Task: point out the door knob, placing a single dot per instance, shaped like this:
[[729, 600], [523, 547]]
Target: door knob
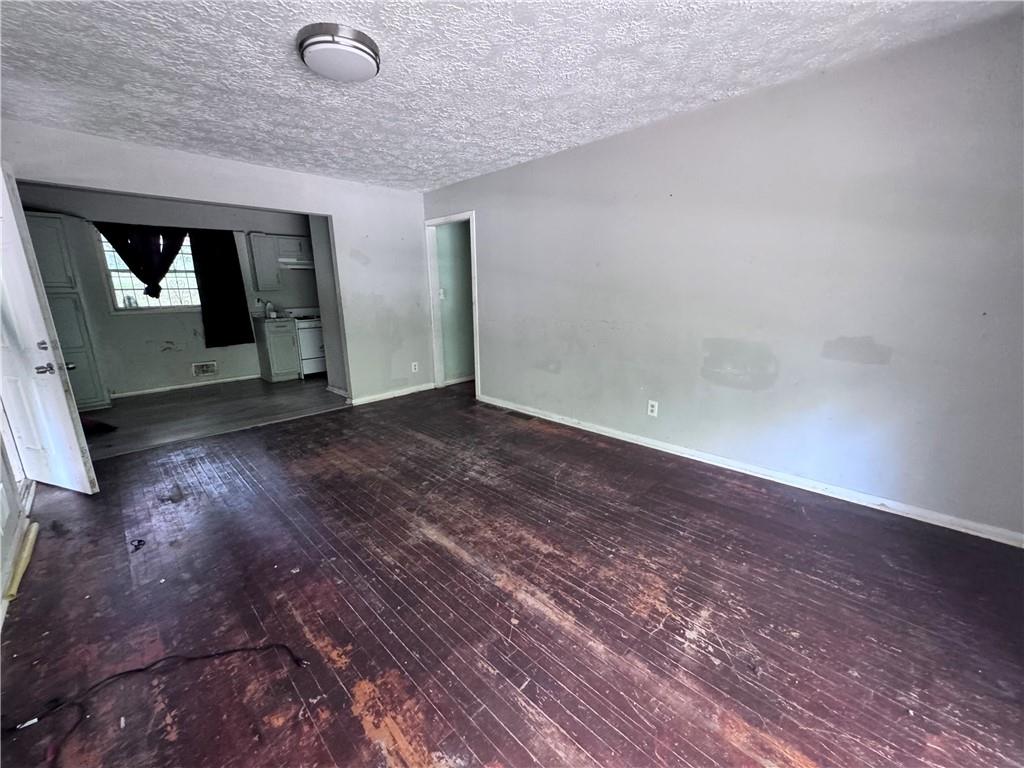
[[48, 368], [44, 345], [69, 366]]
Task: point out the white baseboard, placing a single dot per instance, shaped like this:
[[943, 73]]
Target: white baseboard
[[337, 391], [460, 380], [393, 393], [992, 532], [19, 534], [118, 395]]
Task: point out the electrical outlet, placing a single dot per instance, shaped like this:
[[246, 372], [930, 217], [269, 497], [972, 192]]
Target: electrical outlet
[[652, 408], [415, 367]]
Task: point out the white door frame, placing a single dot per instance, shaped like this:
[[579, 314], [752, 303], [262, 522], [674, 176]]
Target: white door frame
[[434, 286]]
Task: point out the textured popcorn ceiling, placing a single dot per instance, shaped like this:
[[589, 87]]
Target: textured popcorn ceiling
[[464, 88]]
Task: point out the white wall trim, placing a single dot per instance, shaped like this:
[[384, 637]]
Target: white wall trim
[[1002, 535], [460, 380], [433, 285], [394, 393], [118, 395], [338, 391], [19, 535]]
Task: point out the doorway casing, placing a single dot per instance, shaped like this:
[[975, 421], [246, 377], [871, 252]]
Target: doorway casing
[[434, 288]]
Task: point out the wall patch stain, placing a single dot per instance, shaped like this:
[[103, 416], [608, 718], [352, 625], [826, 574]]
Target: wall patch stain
[[550, 365], [857, 349], [739, 363]]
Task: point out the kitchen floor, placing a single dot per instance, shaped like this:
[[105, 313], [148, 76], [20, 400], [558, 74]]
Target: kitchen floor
[[146, 421], [476, 588]]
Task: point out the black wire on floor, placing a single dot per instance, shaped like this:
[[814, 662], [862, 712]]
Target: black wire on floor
[[160, 666]]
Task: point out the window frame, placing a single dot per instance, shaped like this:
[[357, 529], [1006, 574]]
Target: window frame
[[112, 294]]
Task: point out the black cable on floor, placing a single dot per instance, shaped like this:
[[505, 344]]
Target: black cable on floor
[[160, 666]]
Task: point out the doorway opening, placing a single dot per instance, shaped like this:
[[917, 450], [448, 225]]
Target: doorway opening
[[245, 328], [452, 275]]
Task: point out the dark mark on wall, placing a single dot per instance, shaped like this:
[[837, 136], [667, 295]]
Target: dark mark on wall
[[739, 364], [857, 349]]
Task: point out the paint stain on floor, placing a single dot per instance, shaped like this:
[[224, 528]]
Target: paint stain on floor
[[392, 719]]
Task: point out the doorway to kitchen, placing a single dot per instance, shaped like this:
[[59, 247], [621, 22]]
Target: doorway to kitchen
[[241, 325], [451, 269]]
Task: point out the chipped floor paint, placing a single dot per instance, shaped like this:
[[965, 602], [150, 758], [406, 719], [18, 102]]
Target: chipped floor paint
[[473, 589]]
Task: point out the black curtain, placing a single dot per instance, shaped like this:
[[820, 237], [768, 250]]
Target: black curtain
[[222, 300], [148, 251]]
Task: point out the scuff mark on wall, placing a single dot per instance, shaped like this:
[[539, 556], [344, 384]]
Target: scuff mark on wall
[[551, 365], [857, 349], [739, 363]]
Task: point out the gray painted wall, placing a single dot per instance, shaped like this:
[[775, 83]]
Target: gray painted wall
[[822, 280], [138, 352]]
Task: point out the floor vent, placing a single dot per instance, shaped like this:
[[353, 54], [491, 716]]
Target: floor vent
[[205, 369]]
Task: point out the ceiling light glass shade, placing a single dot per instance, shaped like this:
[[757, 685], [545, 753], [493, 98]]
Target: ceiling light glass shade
[[338, 53]]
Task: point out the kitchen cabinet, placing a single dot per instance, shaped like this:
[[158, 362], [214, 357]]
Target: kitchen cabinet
[[277, 345], [265, 267], [272, 253]]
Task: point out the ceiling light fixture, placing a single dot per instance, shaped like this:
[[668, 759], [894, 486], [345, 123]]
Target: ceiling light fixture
[[339, 53]]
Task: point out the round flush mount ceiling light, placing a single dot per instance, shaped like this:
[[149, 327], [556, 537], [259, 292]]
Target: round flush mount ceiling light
[[339, 53]]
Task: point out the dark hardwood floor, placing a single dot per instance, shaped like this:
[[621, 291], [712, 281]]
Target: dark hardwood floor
[[477, 588], [146, 421]]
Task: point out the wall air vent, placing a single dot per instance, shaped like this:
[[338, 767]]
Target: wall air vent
[[204, 369]]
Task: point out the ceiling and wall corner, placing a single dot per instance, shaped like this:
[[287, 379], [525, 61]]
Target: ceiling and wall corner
[[465, 88]]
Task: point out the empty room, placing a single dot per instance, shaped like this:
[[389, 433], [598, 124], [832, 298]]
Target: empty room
[[512, 383]]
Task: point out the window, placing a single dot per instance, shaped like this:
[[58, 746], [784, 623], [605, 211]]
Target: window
[[178, 287]]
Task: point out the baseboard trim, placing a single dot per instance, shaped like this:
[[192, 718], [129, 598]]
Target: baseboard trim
[[1002, 535], [337, 391], [19, 534], [157, 390], [460, 380], [393, 393]]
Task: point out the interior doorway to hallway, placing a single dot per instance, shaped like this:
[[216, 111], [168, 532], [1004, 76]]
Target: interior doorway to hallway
[[451, 267]]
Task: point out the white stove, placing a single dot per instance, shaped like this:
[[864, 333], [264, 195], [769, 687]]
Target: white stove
[[311, 337]]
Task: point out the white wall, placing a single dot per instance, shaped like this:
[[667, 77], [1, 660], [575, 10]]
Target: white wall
[[377, 232], [821, 281]]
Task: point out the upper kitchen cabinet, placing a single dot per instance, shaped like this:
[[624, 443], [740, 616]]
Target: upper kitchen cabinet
[[266, 270], [272, 253], [52, 253]]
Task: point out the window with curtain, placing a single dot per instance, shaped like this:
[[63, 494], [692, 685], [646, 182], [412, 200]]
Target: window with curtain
[[179, 286]]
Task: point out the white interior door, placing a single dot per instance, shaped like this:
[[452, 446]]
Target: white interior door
[[36, 391]]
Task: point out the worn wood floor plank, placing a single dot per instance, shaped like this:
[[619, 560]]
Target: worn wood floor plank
[[474, 588]]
